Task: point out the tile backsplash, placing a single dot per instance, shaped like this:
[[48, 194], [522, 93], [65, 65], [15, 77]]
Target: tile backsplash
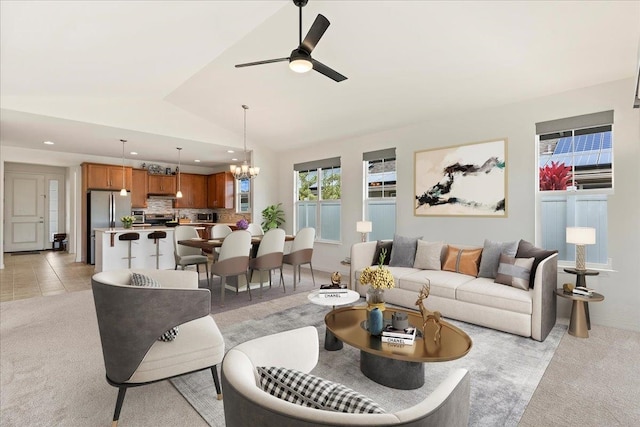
[[166, 206]]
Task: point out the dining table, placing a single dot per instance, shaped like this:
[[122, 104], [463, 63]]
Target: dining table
[[208, 246]]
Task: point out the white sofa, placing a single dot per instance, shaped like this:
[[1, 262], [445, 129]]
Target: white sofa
[[471, 299], [246, 404]]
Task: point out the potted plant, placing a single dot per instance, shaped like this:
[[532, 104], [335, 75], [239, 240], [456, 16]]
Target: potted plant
[[272, 217]]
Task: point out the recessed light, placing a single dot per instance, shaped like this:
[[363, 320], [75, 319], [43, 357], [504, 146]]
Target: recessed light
[[234, 159], [49, 142], [134, 153], [197, 160], [230, 151]]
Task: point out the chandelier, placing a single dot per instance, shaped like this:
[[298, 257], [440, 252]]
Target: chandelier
[[244, 171]]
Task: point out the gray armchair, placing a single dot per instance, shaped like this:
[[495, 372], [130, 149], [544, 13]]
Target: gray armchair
[[131, 318], [246, 404]]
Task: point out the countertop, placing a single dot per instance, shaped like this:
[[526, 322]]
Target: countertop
[[136, 229]]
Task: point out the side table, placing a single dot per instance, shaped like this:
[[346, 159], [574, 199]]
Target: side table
[[580, 323], [581, 275], [331, 343]]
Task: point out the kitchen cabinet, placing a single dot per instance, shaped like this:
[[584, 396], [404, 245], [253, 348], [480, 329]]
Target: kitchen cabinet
[[139, 188], [194, 191], [106, 177], [162, 185], [221, 192]]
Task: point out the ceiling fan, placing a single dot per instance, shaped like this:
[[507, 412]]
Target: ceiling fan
[[300, 59]]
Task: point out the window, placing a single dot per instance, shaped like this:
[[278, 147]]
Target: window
[[54, 204], [243, 196], [318, 192], [575, 177], [380, 192]]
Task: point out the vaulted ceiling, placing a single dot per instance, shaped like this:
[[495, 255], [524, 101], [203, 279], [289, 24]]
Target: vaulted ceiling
[[161, 73]]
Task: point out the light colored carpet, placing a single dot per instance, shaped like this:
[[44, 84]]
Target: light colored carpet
[[505, 369]]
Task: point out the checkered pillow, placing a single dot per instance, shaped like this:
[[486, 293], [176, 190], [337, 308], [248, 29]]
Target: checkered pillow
[[138, 279], [315, 392]]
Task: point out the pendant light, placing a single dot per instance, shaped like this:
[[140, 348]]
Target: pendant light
[[123, 191], [245, 171], [179, 193]]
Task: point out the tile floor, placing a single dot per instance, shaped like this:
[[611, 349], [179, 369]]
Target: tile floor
[[47, 273]]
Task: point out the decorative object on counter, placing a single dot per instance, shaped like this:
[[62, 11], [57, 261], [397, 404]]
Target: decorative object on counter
[[179, 192], [380, 278], [167, 171], [581, 236], [364, 227], [375, 321], [123, 191], [336, 278], [242, 224], [400, 320], [272, 217], [127, 221], [568, 287], [428, 315], [245, 171]]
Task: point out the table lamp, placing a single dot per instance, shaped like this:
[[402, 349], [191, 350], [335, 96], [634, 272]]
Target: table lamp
[[581, 236], [364, 227]]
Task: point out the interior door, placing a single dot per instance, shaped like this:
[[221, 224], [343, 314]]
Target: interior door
[[24, 212]]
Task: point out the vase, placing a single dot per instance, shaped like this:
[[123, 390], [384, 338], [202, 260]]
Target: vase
[[375, 321], [375, 298], [126, 224]]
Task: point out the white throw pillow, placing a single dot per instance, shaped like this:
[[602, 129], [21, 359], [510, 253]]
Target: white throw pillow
[[428, 255]]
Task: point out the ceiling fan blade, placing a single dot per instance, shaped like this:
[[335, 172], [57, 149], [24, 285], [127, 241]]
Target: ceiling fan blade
[[267, 61], [323, 69], [316, 31]]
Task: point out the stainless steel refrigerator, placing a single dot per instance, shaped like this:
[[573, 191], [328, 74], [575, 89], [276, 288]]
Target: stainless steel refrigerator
[[104, 210]]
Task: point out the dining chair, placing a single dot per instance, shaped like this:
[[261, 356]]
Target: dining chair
[[219, 231], [301, 252], [186, 255], [255, 229], [269, 256], [233, 260]]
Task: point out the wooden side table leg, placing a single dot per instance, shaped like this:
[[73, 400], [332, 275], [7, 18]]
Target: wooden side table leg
[[578, 324]]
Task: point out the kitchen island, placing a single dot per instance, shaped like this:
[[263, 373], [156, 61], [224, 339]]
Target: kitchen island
[[111, 253]]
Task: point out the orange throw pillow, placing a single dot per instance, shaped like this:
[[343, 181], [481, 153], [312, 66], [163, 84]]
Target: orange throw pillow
[[465, 261]]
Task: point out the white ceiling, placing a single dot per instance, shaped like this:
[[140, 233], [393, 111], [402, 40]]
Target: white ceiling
[[161, 73]]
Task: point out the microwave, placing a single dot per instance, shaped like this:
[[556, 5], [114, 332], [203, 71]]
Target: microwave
[[208, 217]]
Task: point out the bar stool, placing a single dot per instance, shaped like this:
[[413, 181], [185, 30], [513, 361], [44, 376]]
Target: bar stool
[[156, 236], [128, 237]]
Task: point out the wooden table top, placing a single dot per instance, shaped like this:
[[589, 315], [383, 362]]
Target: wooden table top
[[348, 325], [216, 243]]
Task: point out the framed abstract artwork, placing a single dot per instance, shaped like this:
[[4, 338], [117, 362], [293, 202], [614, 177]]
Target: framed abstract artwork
[[462, 180]]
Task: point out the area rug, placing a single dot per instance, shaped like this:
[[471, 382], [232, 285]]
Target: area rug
[[505, 369]]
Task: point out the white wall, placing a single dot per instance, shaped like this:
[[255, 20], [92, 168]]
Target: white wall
[[516, 123]]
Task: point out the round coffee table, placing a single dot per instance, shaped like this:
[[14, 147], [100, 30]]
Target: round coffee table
[[340, 297]]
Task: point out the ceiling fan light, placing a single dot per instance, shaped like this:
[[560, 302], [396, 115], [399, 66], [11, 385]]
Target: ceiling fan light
[[300, 65]]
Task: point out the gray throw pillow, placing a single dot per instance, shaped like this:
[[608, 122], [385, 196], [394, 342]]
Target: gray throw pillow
[[528, 250], [491, 256], [428, 255], [514, 271], [404, 251], [138, 279]]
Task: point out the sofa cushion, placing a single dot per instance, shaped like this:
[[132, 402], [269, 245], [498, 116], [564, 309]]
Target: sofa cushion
[[514, 271], [138, 279], [463, 261], [404, 251], [442, 283], [486, 292], [491, 256], [315, 392], [428, 255], [380, 245], [528, 250]]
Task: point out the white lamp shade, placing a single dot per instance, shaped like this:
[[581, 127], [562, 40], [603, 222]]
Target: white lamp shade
[[364, 226], [581, 235]]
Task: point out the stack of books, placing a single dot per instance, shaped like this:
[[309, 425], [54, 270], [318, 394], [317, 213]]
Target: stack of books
[[399, 336], [582, 291]]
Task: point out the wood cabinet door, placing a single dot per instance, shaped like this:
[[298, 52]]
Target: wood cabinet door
[[211, 192], [162, 184], [224, 190], [199, 191], [186, 186], [107, 177], [139, 188], [115, 177]]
